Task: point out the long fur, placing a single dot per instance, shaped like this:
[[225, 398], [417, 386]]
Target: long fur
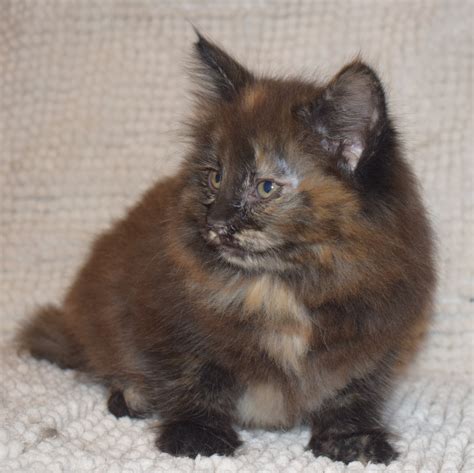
[[46, 337], [213, 304]]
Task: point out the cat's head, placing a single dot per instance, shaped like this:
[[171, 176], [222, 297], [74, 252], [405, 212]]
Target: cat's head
[[280, 168]]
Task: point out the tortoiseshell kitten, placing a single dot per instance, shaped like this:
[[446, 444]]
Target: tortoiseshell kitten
[[277, 278]]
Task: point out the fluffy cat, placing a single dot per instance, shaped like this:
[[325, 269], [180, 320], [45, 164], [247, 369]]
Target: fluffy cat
[[279, 277]]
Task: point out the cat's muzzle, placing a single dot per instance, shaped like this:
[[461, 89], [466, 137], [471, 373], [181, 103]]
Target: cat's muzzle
[[222, 237]]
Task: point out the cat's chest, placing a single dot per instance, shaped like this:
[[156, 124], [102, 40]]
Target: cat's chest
[[284, 327], [283, 333], [280, 323]]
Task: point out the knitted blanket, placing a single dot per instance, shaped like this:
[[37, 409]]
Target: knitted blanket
[[92, 94]]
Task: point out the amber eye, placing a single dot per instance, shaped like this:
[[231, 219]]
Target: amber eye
[[215, 178], [266, 188]]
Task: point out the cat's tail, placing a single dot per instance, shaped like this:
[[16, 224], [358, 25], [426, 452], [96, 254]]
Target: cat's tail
[[47, 337]]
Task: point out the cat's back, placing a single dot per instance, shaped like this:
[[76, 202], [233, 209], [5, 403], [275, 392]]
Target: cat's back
[[99, 306], [126, 245]]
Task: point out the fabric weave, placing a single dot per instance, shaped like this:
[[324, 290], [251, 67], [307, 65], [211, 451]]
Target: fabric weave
[[92, 96]]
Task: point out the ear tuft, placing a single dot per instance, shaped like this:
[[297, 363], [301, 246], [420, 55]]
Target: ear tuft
[[223, 75], [349, 114]]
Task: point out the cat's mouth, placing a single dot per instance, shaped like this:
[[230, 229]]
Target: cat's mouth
[[243, 249], [227, 246]]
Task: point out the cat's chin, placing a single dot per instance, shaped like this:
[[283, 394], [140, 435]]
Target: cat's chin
[[240, 258], [244, 262], [251, 261]]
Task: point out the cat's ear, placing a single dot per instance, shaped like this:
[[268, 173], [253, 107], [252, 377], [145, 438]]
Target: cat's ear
[[223, 76], [349, 115]]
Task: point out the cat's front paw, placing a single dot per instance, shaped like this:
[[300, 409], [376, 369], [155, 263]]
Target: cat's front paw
[[185, 438], [365, 447]]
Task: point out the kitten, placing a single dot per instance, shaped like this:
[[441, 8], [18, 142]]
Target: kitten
[[277, 278]]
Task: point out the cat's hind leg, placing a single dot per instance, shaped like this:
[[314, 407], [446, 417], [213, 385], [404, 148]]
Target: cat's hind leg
[[128, 402]]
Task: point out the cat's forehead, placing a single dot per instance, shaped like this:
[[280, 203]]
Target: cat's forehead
[[272, 158], [258, 131], [260, 153]]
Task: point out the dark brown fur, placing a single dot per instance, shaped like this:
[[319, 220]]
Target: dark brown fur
[[211, 308]]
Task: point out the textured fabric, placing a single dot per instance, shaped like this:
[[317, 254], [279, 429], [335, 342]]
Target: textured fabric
[[91, 99]]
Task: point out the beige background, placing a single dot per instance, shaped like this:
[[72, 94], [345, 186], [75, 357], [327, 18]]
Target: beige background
[[91, 99]]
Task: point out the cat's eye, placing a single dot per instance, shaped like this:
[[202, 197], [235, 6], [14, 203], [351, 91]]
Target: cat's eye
[[266, 188], [215, 178]]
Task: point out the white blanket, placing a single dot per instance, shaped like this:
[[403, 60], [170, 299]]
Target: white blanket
[[91, 98]]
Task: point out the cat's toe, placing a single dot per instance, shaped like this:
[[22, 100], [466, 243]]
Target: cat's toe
[[184, 438], [364, 447]]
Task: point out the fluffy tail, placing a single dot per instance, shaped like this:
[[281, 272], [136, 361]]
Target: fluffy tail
[[46, 337]]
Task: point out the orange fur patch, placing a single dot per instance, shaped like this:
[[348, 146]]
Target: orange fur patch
[[266, 294], [253, 97]]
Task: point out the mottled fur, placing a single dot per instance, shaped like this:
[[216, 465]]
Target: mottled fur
[[218, 307]]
